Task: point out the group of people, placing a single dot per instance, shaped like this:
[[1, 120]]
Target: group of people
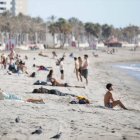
[[5, 59], [81, 68], [14, 63]]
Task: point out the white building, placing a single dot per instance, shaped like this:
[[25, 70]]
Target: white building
[[19, 6], [14, 6], [5, 5]]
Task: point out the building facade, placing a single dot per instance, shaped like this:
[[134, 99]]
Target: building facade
[[19, 6], [5, 5], [14, 6]]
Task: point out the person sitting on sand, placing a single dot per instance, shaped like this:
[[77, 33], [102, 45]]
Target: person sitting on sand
[[22, 67], [54, 82], [108, 98]]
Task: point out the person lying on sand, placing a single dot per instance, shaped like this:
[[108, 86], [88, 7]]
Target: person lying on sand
[[108, 98], [41, 67], [55, 82], [41, 54], [5, 96]]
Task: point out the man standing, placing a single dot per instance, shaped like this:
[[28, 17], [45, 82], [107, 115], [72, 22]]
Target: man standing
[[85, 68]]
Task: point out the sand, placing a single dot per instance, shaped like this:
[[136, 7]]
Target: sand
[[74, 122]]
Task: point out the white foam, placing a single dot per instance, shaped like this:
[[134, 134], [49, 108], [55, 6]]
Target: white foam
[[130, 67]]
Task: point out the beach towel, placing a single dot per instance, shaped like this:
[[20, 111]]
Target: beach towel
[[8, 96]]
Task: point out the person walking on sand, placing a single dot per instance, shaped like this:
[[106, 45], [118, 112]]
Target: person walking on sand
[[108, 98], [84, 71], [80, 67], [76, 68], [62, 68]]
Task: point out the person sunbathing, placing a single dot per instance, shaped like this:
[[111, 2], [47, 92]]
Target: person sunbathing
[[55, 82], [41, 67], [5, 96], [108, 98], [41, 54]]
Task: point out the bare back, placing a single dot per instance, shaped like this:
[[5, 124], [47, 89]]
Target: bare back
[[108, 98]]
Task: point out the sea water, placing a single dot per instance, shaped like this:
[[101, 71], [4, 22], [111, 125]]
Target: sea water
[[133, 69]]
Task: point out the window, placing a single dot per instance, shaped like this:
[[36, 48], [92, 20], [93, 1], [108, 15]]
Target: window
[[2, 2], [2, 8]]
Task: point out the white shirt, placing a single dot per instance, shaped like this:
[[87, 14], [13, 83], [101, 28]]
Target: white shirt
[[61, 65]]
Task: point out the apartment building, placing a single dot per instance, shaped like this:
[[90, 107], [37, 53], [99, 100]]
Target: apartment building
[[5, 5], [14, 6]]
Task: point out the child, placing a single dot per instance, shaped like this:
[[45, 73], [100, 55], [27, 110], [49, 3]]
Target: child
[[108, 98]]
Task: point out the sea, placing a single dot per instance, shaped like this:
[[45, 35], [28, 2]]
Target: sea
[[133, 69]]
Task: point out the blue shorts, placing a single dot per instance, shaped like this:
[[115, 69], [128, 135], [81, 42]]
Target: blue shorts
[[109, 105]]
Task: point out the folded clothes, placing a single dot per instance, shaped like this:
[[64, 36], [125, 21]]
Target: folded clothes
[[80, 100]]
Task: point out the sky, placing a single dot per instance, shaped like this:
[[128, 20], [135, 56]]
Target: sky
[[119, 13]]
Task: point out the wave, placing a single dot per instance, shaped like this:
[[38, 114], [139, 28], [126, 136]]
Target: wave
[[131, 67]]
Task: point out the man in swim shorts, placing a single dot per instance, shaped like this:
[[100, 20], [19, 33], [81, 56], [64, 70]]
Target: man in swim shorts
[[108, 98], [84, 71]]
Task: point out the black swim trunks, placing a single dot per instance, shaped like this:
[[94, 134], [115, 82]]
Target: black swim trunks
[[62, 71], [84, 73], [109, 105]]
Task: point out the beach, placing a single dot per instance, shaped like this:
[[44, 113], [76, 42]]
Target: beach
[[73, 121]]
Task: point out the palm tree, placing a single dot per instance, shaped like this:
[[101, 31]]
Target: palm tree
[[64, 30], [77, 29]]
